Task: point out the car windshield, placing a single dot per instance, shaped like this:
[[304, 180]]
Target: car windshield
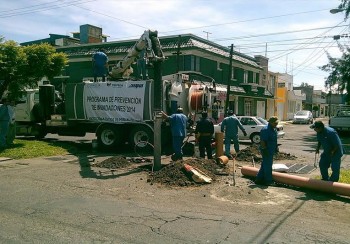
[[301, 113], [262, 121]]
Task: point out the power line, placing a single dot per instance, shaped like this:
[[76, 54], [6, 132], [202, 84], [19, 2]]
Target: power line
[[277, 33], [41, 8], [248, 20]]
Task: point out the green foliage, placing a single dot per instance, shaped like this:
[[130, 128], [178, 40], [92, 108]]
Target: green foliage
[[23, 66], [339, 69], [344, 176], [345, 4]]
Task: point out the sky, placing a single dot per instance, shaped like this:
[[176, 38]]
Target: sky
[[296, 35]]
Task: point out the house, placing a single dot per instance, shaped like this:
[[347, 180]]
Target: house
[[250, 86], [289, 101]]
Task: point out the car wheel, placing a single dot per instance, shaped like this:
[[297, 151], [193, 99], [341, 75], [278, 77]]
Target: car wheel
[[255, 138]]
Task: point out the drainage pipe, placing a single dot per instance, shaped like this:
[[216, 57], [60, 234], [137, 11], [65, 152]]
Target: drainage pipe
[[294, 180]]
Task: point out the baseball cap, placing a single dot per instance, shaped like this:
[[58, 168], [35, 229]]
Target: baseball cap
[[273, 119], [179, 110], [317, 124]]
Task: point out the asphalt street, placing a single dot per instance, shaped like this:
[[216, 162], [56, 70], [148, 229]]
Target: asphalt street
[[63, 199]]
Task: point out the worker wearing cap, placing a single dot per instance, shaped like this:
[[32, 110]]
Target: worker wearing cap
[[332, 151], [230, 126], [204, 131], [268, 147], [178, 124], [100, 64]]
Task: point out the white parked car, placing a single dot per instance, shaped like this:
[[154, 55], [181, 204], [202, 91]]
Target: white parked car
[[303, 117], [252, 126]]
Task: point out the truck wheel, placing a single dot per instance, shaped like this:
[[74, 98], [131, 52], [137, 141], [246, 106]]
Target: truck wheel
[[39, 131], [108, 137], [255, 138], [141, 137], [38, 113]]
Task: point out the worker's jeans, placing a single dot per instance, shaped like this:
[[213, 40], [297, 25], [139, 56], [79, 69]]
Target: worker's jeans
[[4, 125], [205, 145], [326, 161], [11, 134], [265, 173], [227, 141], [177, 145]]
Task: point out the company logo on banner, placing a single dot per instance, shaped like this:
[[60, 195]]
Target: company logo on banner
[[114, 102]]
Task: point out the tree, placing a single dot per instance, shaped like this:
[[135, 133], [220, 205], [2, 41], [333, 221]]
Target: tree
[[305, 84], [345, 4], [23, 66], [339, 69]]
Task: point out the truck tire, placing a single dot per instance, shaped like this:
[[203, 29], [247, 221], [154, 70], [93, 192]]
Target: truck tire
[[108, 137], [40, 132], [255, 138], [38, 113], [141, 138]]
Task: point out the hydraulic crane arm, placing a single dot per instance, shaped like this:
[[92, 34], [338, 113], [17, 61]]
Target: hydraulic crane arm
[[150, 43]]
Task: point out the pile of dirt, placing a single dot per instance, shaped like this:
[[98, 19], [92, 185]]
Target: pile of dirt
[[113, 163], [174, 173], [253, 152]]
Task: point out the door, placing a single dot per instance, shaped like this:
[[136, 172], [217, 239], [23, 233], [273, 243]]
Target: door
[[260, 107]]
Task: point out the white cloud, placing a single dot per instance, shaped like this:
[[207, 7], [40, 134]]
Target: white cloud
[[226, 20]]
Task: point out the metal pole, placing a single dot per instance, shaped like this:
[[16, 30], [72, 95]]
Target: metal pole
[[178, 55], [157, 142], [229, 81]]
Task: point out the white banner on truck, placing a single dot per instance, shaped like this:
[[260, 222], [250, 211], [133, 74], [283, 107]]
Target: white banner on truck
[[114, 102]]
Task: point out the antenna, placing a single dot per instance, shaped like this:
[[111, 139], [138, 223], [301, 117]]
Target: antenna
[[207, 32]]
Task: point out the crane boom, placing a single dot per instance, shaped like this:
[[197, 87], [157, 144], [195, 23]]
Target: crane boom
[[150, 43]]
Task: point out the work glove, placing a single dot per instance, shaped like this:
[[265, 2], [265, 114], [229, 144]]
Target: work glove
[[244, 133]]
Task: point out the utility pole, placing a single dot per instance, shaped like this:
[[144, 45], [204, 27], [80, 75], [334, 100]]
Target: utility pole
[[207, 32], [178, 54], [229, 81]]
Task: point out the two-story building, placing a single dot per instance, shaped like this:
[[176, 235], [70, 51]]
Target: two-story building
[[249, 82]]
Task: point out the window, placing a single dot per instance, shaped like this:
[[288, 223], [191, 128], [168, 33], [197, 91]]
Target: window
[[233, 73], [245, 78], [248, 121], [192, 63], [248, 108]]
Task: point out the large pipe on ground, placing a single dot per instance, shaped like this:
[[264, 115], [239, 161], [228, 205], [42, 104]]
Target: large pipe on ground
[[294, 180]]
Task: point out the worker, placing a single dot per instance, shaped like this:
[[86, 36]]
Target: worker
[[178, 124], [268, 147], [11, 133], [100, 65], [328, 138], [204, 132], [4, 123], [230, 126]]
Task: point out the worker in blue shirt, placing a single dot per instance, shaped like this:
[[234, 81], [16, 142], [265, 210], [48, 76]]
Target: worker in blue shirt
[[332, 151], [100, 64], [178, 124], [268, 147], [230, 126]]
